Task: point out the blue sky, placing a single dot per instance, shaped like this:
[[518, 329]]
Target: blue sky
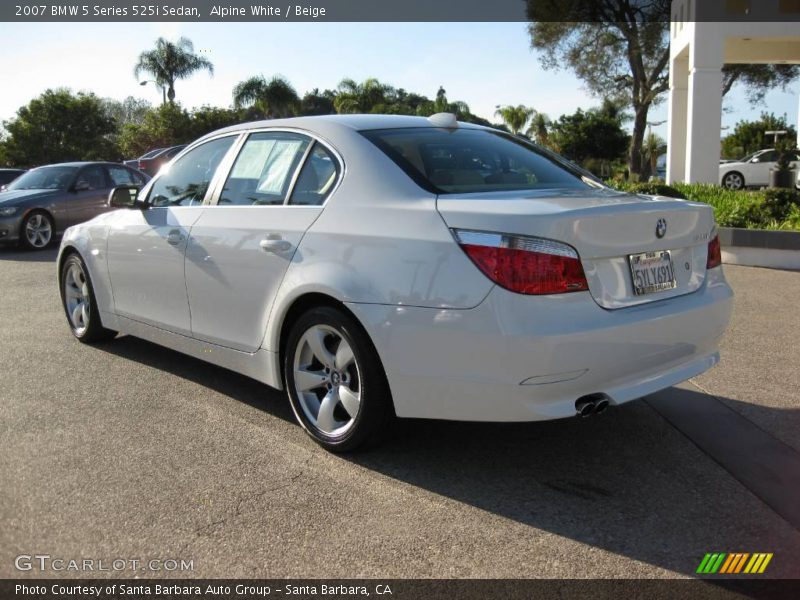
[[483, 64]]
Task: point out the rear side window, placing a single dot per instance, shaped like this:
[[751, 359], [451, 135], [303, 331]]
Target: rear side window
[[317, 178], [122, 176], [450, 161], [264, 169]]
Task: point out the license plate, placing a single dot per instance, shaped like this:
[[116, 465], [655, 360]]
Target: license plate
[[652, 272]]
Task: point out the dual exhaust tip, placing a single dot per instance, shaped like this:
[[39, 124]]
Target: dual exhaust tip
[[587, 406]]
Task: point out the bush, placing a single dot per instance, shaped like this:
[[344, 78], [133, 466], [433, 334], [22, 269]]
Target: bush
[[779, 202], [651, 188]]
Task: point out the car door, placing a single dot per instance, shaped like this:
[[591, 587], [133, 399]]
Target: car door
[[146, 247], [243, 243], [85, 198], [760, 167]]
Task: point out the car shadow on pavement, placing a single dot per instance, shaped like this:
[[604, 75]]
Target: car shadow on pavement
[[626, 482], [236, 386], [15, 253]]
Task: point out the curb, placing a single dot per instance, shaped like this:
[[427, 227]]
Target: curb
[[760, 248]]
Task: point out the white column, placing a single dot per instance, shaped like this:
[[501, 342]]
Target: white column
[[677, 121], [704, 124]]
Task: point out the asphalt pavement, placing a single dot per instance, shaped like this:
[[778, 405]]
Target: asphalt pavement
[[128, 450]]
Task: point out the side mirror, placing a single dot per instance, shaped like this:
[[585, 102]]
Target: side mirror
[[81, 186], [124, 196], [756, 160]]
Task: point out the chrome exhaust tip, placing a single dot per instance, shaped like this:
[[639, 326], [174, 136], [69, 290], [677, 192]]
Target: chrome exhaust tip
[[601, 406], [584, 408]]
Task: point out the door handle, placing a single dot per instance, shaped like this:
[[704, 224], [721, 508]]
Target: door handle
[[175, 238], [275, 245]]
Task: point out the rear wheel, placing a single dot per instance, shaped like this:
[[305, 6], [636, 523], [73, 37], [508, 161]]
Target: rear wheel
[[38, 230], [335, 381], [733, 181], [80, 306]]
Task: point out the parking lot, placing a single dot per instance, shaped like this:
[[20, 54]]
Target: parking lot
[[129, 450]]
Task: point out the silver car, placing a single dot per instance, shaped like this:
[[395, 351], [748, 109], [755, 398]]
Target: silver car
[[39, 205]]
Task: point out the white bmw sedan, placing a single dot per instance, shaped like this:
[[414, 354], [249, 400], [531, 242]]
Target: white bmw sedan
[[382, 266]]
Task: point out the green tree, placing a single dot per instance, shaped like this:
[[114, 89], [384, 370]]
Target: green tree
[[620, 49], [516, 117], [60, 126], [370, 96], [653, 147], [170, 61], [272, 99], [167, 125], [318, 103], [539, 129], [129, 110], [750, 136], [206, 119], [594, 135]]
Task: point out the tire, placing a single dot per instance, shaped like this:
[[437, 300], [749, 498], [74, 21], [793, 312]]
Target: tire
[[335, 381], [80, 306], [37, 231], [733, 181]]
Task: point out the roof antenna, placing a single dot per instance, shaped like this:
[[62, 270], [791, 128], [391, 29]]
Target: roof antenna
[[443, 119]]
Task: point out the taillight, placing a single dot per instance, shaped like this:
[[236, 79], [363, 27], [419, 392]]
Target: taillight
[[714, 253], [525, 265]]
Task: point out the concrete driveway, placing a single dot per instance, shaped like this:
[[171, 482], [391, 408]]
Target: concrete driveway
[[127, 450]]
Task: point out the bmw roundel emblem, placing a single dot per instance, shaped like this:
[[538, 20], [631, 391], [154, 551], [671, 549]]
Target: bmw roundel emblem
[[661, 228]]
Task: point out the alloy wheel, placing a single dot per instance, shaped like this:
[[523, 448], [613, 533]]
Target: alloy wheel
[[327, 380], [733, 181], [38, 230], [77, 298]]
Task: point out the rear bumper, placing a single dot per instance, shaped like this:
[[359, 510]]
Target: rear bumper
[[524, 358]]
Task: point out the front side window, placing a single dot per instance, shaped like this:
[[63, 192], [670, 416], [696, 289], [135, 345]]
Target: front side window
[[264, 169], [186, 182], [449, 161], [317, 178]]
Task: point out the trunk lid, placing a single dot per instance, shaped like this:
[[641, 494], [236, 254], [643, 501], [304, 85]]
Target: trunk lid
[[605, 227]]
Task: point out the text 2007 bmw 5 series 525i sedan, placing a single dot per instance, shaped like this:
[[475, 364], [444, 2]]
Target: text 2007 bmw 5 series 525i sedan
[[381, 266]]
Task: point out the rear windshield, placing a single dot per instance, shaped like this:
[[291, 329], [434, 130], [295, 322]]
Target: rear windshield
[[450, 161]]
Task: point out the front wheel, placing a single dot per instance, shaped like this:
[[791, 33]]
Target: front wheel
[[80, 305], [335, 381], [38, 231], [733, 181]]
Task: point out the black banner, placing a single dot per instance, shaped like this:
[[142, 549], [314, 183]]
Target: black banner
[[435, 589], [400, 10]]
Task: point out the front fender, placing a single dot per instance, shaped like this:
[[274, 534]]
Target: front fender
[[90, 241]]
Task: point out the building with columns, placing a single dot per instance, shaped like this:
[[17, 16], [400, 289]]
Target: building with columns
[[759, 31]]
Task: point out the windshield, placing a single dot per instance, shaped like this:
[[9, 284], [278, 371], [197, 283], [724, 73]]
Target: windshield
[[449, 161], [44, 178]]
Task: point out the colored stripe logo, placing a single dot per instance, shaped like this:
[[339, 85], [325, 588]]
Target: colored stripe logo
[[734, 563]]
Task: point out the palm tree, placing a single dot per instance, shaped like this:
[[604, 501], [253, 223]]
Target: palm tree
[[538, 129], [516, 117], [169, 61], [653, 147], [275, 98], [362, 97]]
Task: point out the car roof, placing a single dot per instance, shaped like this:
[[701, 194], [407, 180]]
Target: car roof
[[82, 164], [341, 122]]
